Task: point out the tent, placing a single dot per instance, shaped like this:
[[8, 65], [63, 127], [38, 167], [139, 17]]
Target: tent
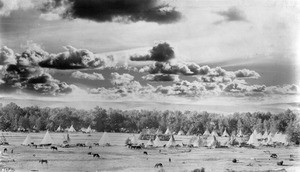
[[157, 142], [265, 135], [199, 142], [134, 140], [214, 133], [281, 138], [27, 140], [168, 131], [104, 141], [47, 139], [240, 134], [158, 132], [83, 129], [253, 139], [269, 140], [59, 129], [213, 143], [225, 134], [259, 136], [88, 130], [149, 143], [206, 133], [148, 131], [71, 129], [180, 133], [171, 142]]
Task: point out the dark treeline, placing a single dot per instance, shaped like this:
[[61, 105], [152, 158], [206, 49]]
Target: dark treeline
[[31, 118]]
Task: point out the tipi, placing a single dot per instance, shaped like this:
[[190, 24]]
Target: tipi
[[180, 133], [240, 134], [265, 135], [149, 143], [88, 130], [104, 141], [59, 129], [199, 142], [168, 131], [157, 142], [27, 140], [214, 133], [158, 132], [253, 140], [71, 129], [171, 142], [213, 143], [225, 134], [134, 140], [206, 133], [47, 139]]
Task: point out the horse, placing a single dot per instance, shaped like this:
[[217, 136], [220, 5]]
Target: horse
[[43, 161], [53, 147], [280, 163], [234, 160], [12, 151], [273, 155], [90, 147], [80, 144], [170, 160], [158, 165], [96, 144], [5, 150], [138, 147], [89, 153], [96, 155], [145, 153], [199, 170]]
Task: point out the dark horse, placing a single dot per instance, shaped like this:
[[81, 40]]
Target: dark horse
[[158, 165], [43, 161], [96, 155], [5, 150], [53, 147]]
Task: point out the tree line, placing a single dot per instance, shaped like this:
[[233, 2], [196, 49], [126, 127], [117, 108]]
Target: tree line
[[13, 117]]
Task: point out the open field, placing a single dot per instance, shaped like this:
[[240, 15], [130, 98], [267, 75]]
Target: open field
[[120, 158]]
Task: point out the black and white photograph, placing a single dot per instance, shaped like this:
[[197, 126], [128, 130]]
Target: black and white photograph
[[149, 85]]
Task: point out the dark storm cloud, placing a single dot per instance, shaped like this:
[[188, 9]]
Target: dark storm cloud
[[231, 15], [115, 10], [162, 52]]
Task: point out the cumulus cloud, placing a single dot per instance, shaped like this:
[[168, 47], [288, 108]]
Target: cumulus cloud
[[162, 52], [121, 79], [116, 10], [7, 56], [246, 73], [231, 15], [75, 58], [161, 77], [7, 6], [89, 76]]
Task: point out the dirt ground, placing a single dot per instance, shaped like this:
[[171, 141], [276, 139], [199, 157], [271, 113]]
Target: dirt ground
[[120, 158]]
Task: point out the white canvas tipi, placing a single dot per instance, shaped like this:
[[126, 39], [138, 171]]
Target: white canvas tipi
[[59, 129], [171, 142], [240, 134], [206, 133], [134, 140], [149, 143], [180, 133], [158, 132], [157, 142], [104, 139], [168, 131], [225, 134], [27, 140], [71, 129], [88, 130], [253, 140], [47, 139], [214, 133], [265, 135], [213, 143]]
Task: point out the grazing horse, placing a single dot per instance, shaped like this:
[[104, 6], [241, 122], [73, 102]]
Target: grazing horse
[[43, 161], [145, 153], [12, 151], [158, 165], [53, 147], [280, 163], [170, 160], [138, 147], [90, 153], [273, 155], [199, 170], [164, 146], [5, 150], [234, 160], [96, 144], [96, 155], [90, 147]]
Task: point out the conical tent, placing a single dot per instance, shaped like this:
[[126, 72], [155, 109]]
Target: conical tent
[[27, 140], [168, 131], [240, 134], [47, 139], [214, 133], [149, 143], [157, 142], [180, 133], [134, 140], [281, 138], [171, 142], [265, 135], [59, 129], [104, 139], [253, 140], [225, 134], [213, 143], [206, 133], [259, 136], [269, 140], [71, 129], [83, 129], [88, 130], [198, 142], [158, 132]]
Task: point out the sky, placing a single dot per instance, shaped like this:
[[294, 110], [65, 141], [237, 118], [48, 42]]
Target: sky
[[210, 55]]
